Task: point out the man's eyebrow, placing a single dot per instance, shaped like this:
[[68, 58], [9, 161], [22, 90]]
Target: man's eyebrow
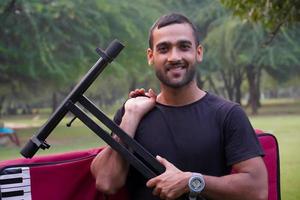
[[180, 42], [162, 44], [185, 42]]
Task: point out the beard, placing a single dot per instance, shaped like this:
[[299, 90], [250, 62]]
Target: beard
[[188, 76]]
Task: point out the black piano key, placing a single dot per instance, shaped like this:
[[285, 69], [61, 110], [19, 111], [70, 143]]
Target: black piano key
[[13, 193], [12, 171], [11, 181]]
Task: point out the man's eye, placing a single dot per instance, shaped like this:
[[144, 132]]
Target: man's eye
[[185, 47], [162, 49]]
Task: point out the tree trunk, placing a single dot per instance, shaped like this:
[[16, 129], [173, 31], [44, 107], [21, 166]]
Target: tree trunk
[[212, 85], [258, 86], [227, 79], [238, 93], [11, 110], [2, 99], [253, 77], [238, 79]]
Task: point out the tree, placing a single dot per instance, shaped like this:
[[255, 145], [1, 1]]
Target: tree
[[272, 14], [281, 60], [46, 41], [234, 45], [36, 45]]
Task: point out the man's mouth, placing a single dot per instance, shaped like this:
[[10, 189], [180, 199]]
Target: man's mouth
[[176, 70], [176, 67]]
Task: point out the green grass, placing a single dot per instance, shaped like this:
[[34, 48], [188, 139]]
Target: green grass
[[62, 139], [278, 107], [278, 117], [286, 128]]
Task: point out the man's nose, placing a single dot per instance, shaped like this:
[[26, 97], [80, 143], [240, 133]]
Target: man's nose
[[174, 55]]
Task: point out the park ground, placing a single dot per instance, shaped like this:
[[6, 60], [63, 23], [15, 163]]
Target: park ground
[[279, 117]]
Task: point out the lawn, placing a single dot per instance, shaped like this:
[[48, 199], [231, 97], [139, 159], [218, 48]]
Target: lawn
[[286, 129], [282, 121], [62, 139]]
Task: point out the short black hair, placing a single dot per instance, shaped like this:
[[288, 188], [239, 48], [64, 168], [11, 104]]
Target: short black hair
[[172, 18]]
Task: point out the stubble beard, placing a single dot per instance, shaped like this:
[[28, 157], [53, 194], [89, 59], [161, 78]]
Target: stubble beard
[[188, 77]]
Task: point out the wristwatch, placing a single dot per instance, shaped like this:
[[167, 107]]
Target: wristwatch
[[196, 185]]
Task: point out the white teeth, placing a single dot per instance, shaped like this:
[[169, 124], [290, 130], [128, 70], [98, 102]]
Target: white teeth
[[175, 67]]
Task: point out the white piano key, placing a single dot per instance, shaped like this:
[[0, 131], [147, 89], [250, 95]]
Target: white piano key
[[24, 174], [26, 196], [24, 188], [9, 176]]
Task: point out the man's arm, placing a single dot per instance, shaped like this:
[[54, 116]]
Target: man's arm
[[249, 182], [109, 168]]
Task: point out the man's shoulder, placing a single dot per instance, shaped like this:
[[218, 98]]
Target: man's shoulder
[[218, 103]]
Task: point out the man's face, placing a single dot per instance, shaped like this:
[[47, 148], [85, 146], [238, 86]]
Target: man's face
[[174, 55]]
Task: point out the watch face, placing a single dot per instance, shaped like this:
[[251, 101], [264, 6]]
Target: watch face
[[196, 184]]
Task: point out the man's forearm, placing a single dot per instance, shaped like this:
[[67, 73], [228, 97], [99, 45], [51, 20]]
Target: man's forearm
[[233, 187], [109, 168], [252, 185]]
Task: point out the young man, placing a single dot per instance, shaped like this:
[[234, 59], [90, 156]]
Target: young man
[[198, 137]]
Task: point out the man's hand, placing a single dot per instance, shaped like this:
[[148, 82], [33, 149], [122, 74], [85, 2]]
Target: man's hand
[[140, 102], [172, 183]]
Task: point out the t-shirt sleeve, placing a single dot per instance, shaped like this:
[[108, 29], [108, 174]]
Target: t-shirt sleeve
[[119, 114], [241, 142]]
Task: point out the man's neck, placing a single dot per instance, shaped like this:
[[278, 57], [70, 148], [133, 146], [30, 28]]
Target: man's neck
[[180, 96]]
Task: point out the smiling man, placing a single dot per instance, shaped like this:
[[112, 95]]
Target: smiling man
[[200, 138], [177, 53]]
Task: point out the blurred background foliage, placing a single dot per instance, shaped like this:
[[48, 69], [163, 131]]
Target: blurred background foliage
[[46, 46]]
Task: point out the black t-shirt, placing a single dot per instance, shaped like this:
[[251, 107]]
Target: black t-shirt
[[207, 136]]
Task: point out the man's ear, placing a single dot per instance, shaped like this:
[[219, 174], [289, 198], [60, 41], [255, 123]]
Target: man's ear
[[150, 56], [199, 55]]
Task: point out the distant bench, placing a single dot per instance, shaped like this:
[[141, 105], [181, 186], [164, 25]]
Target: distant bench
[[10, 133]]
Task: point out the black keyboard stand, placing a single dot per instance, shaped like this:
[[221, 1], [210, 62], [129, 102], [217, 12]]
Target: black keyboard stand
[[148, 165]]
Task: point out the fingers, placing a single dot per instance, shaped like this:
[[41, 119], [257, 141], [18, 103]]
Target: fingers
[[152, 182], [156, 191], [142, 92], [164, 162], [167, 185], [151, 93], [131, 94], [137, 92]]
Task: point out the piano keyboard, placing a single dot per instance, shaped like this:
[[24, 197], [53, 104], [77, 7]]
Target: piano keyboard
[[15, 184]]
